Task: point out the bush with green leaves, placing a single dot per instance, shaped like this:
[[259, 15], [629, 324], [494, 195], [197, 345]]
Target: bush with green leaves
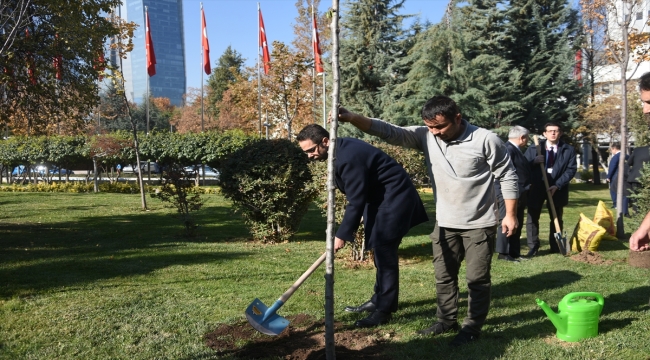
[[641, 198], [179, 192], [270, 184]]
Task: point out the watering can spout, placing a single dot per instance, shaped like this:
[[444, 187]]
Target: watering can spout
[[559, 323]]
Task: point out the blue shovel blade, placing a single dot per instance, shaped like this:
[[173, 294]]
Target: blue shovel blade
[[273, 325]]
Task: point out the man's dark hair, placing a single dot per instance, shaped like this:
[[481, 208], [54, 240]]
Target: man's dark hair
[[440, 105], [313, 132], [552, 123], [616, 146], [644, 82]]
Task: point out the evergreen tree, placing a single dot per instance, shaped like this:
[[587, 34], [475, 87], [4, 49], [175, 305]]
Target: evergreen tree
[[541, 39], [460, 58], [372, 42], [229, 66]]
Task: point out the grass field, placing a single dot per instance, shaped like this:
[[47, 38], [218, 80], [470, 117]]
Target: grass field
[[91, 276]]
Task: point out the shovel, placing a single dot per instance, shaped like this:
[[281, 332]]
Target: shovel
[[264, 319], [562, 242]]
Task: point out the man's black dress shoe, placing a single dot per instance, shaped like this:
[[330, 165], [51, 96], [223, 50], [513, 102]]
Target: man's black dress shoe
[[507, 257], [532, 252], [375, 319], [367, 306]]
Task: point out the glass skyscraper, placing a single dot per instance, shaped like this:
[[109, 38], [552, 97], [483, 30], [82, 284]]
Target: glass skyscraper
[[166, 26]]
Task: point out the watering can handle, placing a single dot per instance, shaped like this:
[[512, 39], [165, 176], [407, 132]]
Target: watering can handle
[[599, 298]]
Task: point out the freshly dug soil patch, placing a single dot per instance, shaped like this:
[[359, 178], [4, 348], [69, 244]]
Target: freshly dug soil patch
[[640, 259], [592, 258], [303, 339]]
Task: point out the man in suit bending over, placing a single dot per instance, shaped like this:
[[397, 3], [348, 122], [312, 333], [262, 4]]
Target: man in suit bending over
[[380, 192]]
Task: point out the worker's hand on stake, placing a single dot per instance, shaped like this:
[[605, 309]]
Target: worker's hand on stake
[[552, 189], [338, 244], [539, 159]]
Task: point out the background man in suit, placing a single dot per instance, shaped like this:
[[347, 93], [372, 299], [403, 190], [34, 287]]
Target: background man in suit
[[612, 175], [466, 159], [560, 166], [509, 247], [379, 190]]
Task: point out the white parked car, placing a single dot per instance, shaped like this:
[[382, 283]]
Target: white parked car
[[197, 169]]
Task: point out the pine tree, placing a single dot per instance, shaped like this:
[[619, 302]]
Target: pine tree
[[229, 66], [372, 42], [462, 58], [542, 37]]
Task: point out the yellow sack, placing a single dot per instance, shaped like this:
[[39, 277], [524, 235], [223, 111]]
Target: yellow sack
[[586, 230], [605, 218]]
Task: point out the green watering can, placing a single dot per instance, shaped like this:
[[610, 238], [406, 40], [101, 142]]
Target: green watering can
[[576, 319]]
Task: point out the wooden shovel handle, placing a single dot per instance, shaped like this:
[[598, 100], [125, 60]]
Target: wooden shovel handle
[[548, 193], [302, 279]]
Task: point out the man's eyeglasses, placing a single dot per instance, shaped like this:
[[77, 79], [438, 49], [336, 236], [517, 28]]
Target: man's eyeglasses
[[553, 131], [313, 148]]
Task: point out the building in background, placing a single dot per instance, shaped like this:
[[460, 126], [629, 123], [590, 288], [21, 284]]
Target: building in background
[[166, 26]]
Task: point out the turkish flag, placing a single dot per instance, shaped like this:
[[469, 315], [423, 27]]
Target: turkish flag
[[151, 55], [30, 63], [318, 63], [58, 61], [265, 49], [206, 45]]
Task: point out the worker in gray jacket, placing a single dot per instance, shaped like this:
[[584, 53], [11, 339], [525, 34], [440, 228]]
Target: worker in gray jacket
[[463, 161]]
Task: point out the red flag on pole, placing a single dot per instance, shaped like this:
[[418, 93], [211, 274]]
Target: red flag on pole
[[101, 63], [265, 49], [577, 71], [206, 45], [318, 63], [151, 55], [30, 63], [58, 61]]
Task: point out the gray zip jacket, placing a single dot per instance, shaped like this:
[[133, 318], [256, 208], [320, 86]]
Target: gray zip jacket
[[462, 171]]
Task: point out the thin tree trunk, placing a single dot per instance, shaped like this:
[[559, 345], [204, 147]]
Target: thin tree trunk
[[330, 353], [620, 191]]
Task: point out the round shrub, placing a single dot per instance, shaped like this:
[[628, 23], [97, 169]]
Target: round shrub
[[269, 183]]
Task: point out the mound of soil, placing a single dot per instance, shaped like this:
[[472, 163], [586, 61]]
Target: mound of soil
[[303, 339], [592, 258]]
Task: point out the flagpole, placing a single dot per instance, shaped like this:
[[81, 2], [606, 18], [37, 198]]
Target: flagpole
[[259, 78], [202, 65], [324, 103], [313, 74], [146, 12]]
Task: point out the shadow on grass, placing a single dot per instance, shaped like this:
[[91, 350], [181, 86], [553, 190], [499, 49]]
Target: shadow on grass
[[37, 257]]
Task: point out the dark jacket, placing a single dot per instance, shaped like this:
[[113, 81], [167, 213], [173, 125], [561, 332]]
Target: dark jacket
[[378, 189], [522, 167], [637, 159], [564, 169], [612, 170]]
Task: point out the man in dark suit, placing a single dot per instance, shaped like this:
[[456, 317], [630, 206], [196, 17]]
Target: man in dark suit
[[509, 247], [380, 192], [639, 157], [559, 161], [612, 176]]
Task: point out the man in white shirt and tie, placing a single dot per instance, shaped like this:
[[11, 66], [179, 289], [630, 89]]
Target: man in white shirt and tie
[[560, 165]]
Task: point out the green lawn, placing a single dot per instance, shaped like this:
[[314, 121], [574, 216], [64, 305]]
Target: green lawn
[[91, 276]]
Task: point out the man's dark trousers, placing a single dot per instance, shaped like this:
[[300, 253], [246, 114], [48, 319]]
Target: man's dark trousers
[[511, 245], [450, 247], [532, 225], [387, 276]]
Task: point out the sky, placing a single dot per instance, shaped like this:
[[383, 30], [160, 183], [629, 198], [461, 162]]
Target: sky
[[234, 23]]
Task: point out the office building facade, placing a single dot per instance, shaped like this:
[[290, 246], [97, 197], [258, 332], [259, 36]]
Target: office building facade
[[166, 26]]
